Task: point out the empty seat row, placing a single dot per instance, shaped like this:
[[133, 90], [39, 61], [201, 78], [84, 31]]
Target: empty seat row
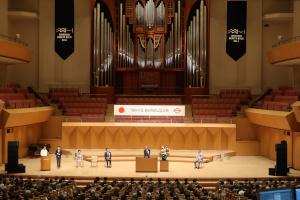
[[132, 100], [80, 111], [205, 119], [274, 105], [214, 106], [21, 103], [235, 91], [217, 112], [197, 100], [82, 105], [56, 93], [11, 96], [82, 100], [289, 99]]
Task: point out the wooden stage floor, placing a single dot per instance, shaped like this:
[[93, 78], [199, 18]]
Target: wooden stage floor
[[181, 165]]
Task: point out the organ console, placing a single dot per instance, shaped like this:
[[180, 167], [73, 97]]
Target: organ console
[[139, 43]]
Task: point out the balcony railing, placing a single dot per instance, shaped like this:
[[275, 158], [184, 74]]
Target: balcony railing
[[286, 41], [13, 39]]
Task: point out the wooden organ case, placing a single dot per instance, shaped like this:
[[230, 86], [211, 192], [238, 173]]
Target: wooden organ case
[[152, 47]]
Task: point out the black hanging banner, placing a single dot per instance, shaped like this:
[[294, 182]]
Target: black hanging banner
[[236, 28], [64, 28]]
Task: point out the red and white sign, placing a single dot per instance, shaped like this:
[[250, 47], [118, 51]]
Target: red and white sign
[[149, 110]]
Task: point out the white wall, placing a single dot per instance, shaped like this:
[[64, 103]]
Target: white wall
[[275, 76], [75, 71], [25, 74], [224, 71]]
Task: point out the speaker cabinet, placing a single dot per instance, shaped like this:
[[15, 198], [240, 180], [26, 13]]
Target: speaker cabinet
[[12, 165], [281, 168]]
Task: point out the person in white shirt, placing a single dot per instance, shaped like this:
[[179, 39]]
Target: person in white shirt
[[44, 152], [199, 159], [79, 158]]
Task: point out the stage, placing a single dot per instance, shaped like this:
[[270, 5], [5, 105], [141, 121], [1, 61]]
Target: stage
[[223, 165]]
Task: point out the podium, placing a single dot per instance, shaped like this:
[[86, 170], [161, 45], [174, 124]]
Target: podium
[[164, 165], [45, 163], [146, 164]]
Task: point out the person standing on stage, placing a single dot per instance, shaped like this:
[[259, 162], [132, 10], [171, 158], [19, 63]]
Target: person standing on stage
[[107, 157], [199, 159], [58, 154], [44, 152], [147, 152], [79, 158]]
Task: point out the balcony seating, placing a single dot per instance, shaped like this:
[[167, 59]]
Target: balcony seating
[[16, 97], [280, 99]]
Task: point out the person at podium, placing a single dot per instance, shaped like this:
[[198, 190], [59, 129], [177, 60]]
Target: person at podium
[[147, 152], [58, 154], [44, 152], [107, 157]]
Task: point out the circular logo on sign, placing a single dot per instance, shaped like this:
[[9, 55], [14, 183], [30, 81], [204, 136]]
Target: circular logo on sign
[[177, 110], [121, 110]]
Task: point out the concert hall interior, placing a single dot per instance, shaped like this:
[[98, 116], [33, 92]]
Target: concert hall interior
[[208, 82]]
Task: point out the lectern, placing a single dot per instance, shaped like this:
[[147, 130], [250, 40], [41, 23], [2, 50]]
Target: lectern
[[45, 163], [146, 164]]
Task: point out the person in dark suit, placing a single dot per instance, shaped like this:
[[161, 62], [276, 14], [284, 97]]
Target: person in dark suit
[[58, 154], [107, 157], [147, 152]]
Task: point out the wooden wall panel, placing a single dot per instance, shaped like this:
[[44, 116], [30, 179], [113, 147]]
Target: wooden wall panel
[[296, 150], [52, 128], [268, 137], [126, 135], [25, 135], [244, 129]]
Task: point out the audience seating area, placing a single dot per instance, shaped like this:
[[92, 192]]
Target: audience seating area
[[149, 100], [280, 99], [16, 97], [70, 101], [174, 189], [208, 110]]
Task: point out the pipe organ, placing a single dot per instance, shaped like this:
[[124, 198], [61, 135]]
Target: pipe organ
[[103, 40], [150, 46], [196, 56]]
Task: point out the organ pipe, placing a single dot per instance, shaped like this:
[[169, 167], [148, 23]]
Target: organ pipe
[[196, 57], [102, 48]]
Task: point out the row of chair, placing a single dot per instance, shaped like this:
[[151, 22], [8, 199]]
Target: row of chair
[[217, 112], [205, 119], [197, 100], [56, 93], [214, 106], [235, 91], [21, 103], [149, 100], [273, 105], [81, 111]]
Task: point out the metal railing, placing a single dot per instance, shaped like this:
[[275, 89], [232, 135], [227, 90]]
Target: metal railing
[[286, 41], [13, 39]]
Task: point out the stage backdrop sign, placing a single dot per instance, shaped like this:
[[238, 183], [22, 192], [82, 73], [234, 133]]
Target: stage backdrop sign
[[149, 110], [236, 28], [64, 28]]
